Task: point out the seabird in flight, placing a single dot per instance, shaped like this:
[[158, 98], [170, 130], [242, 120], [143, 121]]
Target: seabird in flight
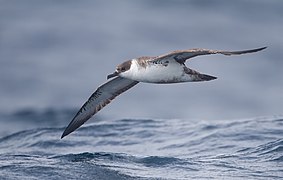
[[164, 69]]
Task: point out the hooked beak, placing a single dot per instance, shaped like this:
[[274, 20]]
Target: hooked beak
[[112, 75]]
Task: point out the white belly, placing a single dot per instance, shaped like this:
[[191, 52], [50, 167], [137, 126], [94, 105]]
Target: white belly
[[158, 73]]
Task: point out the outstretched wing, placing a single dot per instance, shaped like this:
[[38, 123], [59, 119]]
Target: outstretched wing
[[183, 55], [100, 98]]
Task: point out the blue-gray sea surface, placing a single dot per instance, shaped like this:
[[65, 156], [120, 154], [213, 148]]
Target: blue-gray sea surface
[[143, 149], [54, 54]]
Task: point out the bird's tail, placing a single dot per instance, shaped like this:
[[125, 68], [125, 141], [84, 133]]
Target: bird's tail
[[196, 76], [202, 77]]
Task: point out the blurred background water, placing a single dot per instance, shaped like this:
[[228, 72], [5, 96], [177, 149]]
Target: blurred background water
[[54, 54]]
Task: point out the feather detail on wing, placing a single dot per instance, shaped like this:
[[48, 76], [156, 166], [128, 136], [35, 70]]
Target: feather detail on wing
[[100, 98], [182, 55]]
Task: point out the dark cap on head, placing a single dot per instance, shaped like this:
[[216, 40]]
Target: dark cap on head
[[121, 68]]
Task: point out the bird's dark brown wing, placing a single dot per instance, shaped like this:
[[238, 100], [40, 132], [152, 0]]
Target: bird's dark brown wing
[[182, 55], [100, 98]]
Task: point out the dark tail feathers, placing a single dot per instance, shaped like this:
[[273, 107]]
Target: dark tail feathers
[[203, 77]]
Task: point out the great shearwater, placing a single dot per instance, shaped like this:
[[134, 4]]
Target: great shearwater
[[164, 69]]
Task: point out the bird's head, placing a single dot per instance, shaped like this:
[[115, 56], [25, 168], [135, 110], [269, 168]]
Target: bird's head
[[120, 69]]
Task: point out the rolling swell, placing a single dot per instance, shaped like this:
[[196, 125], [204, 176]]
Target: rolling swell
[[148, 148]]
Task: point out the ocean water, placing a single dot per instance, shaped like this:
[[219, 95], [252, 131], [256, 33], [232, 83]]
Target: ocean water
[[145, 149], [54, 54]]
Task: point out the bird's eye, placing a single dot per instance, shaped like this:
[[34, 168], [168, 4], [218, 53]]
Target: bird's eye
[[123, 69]]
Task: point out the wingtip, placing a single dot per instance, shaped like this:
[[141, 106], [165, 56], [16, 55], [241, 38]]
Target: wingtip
[[63, 135], [256, 50], [262, 48]]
